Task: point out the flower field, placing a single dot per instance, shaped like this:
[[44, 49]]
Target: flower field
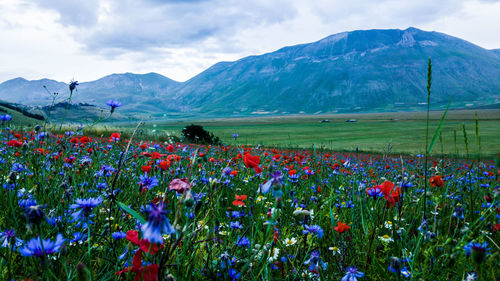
[[76, 207]]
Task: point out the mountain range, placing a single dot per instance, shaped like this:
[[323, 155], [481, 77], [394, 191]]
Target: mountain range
[[357, 71]]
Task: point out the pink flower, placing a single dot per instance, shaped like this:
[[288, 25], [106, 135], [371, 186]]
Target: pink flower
[[179, 185]]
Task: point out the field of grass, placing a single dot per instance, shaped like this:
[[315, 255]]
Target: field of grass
[[402, 132]]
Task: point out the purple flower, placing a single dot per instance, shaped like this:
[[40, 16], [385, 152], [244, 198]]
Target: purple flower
[[34, 247], [83, 209], [72, 85], [313, 229], [148, 182], [352, 274], [243, 242], [118, 235], [235, 136], [315, 262], [374, 192], [8, 237], [236, 225], [276, 179], [5, 118], [113, 104], [157, 224]]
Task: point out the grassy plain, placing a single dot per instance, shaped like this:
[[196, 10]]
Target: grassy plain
[[399, 132]]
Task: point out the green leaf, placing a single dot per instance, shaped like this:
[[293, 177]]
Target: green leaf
[[132, 212], [438, 130]]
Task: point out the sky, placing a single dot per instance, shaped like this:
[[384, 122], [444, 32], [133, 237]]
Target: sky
[[88, 39]]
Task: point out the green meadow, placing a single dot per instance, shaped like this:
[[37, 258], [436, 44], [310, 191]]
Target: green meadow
[[402, 132]]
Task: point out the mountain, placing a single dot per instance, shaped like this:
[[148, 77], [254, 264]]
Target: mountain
[[350, 71], [363, 70], [137, 92]]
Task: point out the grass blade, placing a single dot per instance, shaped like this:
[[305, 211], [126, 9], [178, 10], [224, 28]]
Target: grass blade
[[438, 130], [132, 212]]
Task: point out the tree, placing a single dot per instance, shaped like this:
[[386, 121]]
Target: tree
[[197, 134]]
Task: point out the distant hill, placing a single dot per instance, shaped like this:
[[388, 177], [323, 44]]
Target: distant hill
[[137, 92], [358, 71]]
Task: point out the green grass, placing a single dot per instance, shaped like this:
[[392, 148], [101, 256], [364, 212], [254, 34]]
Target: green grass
[[18, 119], [382, 132]]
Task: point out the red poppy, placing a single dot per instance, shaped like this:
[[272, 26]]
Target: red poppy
[[239, 200], [164, 165], [341, 227], [14, 143], [115, 136], [84, 140], [251, 161], [436, 181], [146, 169]]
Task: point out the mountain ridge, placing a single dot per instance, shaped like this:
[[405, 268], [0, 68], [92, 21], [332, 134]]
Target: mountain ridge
[[361, 70]]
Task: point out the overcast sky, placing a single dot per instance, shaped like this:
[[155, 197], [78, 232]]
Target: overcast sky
[[88, 39]]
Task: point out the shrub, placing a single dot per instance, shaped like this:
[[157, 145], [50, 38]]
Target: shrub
[[197, 134]]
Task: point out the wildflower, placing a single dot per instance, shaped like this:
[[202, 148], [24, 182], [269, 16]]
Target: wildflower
[[313, 229], [479, 251], [374, 192], [239, 200], [276, 180], [157, 224], [234, 274], [315, 262], [352, 274], [72, 85], [386, 238], [459, 213], [290, 241], [252, 161], [235, 136], [113, 104], [179, 185], [274, 254], [8, 237], [335, 250], [118, 235], [436, 181], [34, 247], [83, 209], [147, 182], [35, 213], [236, 225], [243, 242], [5, 118], [471, 276], [115, 136], [341, 227]]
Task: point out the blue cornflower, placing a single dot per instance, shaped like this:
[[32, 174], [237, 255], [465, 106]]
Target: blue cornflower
[[234, 274], [34, 247], [236, 225], [105, 171], [5, 118], [459, 213], [118, 235], [227, 171], [8, 237], [374, 192], [78, 237], [235, 136], [478, 250], [157, 224], [243, 242], [148, 182], [72, 85], [313, 229], [352, 274], [276, 180], [315, 262], [83, 209], [113, 104]]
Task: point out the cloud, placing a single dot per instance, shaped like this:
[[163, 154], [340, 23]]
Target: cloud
[[114, 26], [73, 12]]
